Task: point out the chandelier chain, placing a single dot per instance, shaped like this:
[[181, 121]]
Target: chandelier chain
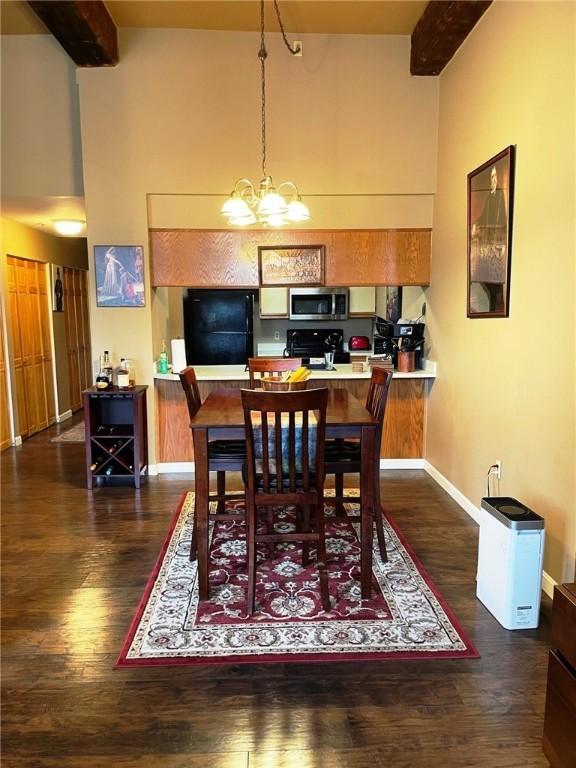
[[292, 50], [262, 54]]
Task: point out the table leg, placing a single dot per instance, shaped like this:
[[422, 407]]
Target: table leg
[[367, 485], [202, 487]]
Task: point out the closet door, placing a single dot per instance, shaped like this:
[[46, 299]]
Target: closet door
[[44, 311], [5, 436], [71, 312], [30, 333], [17, 351], [84, 351]]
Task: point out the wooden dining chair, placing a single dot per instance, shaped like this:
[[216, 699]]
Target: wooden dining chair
[[343, 456], [285, 465], [270, 366], [223, 456]]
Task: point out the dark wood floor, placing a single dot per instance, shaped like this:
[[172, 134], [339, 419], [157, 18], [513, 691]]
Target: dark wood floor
[[74, 566]]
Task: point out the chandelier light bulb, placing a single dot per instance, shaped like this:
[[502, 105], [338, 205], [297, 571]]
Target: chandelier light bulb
[[297, 211]]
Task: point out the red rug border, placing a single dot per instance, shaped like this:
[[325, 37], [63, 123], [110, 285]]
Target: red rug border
[[123, 663]]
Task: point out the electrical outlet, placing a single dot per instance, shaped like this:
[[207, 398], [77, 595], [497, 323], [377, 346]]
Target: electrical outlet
[[276, 335], [498, 469]]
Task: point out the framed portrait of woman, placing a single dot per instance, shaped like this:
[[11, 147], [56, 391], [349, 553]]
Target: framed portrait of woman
[[119, 273]]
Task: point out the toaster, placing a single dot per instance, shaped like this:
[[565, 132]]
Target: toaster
[[358, 342]]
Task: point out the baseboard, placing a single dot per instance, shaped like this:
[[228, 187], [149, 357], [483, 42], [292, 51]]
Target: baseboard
[[402, 464], [548, 584], [475, 513], [63, 416], [17, 441], [188, 466], [173, 466]]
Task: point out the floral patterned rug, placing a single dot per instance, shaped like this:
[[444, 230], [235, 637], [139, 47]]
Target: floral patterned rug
[[404, 618]]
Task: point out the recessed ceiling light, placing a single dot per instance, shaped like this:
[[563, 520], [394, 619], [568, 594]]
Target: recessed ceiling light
[[68, 226]]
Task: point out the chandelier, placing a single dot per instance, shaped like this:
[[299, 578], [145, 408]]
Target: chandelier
[[269, 206]]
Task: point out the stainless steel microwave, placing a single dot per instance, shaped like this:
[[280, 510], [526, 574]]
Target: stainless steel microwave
[[318, 303]]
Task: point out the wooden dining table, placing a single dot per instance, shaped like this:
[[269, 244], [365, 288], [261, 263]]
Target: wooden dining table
[[221, 417]]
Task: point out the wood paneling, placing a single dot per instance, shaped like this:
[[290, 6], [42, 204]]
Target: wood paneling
[[31, 344], [222, 258], [403, 434]]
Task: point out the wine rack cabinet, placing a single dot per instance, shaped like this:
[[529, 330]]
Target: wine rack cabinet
[[116, 434]]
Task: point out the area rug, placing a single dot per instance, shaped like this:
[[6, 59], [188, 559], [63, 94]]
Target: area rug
[[73, 435], [405, 618]]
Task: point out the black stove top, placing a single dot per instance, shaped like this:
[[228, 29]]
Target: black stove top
[[314, 342]]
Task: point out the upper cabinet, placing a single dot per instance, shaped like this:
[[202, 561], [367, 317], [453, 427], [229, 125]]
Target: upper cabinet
[[225, 258], [273, 302], [362, 301]]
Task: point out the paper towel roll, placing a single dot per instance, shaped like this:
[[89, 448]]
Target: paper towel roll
[[178, 355]]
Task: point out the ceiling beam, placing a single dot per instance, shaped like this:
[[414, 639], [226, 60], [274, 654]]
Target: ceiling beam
[[84, 28], [441, 30]]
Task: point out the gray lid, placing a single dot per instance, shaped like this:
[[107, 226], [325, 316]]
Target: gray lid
[[512, 513]]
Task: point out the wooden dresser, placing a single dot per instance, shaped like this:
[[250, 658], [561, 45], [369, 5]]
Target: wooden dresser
[[560, 717]]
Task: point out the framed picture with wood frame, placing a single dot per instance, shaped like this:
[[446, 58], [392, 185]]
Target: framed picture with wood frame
[[490, 203], [291, 264], [119, 271]]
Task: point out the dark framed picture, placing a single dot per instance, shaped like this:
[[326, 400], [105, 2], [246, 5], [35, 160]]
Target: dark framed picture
[[393, 303], [57, 288], [490, 204], [291, 264], [119, 273]]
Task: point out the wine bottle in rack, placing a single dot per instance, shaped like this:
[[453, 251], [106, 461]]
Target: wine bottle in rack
[[96, 463]]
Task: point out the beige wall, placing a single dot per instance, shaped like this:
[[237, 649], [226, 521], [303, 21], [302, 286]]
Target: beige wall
[[180, 116], [41, 152], [28, 243], [506, 386]]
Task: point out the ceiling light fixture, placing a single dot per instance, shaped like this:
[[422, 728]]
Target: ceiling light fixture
[[268, 206], [68, 227]]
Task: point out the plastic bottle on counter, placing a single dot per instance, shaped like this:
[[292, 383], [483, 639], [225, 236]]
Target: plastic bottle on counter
[[163, 360]]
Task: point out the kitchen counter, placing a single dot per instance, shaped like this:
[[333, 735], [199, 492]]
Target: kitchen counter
[[341, 371], [404, 421]]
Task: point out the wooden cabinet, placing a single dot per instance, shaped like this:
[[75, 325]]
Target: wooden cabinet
[[273, 302], [226, 258], [116, 434], [560, 715], [404, 420], [362, 301]]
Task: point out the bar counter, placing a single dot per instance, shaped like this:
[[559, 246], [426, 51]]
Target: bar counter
[[404, 421]]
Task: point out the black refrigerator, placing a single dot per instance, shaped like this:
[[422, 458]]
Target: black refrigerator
[[218, 327]]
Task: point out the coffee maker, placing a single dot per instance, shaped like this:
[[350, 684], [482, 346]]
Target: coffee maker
[[390, 337]]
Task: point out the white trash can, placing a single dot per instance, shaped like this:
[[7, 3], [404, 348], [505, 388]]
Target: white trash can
[[510, 556]]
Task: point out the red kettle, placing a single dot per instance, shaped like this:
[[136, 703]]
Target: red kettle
[[358, 342]]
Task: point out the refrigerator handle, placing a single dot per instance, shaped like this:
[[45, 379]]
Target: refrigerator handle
[[249, 312]]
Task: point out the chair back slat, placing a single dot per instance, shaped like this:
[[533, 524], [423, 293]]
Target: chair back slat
[[191, 390], [378, 394], [265, 448], [295, 453], [270, 366]]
